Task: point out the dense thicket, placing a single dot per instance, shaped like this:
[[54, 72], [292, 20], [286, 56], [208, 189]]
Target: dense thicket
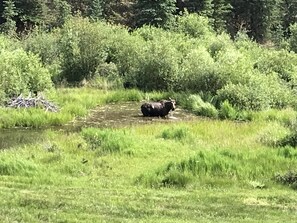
[[185, 53], [188, 56]]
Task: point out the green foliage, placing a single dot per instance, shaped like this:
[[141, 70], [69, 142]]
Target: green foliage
[[261, 92], [178, 134], [198, 106], [9, 13], [199, 73], [11, 167], [46, 46], [289, 178], [193, 25], [96, 10], [22, 72], [288, 140], [282, 62], [82, 48], [158, 66], [227, 111], [272, 134], [107, 140], [106, 77], [293, 38], [155, 13], [213, 164]]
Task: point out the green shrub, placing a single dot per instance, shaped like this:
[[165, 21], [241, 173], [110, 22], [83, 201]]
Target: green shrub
[[193, 25], [46, 46], [261, 92], [158, 67], [195, 104], [83, 48], [106, 77], [21, 72], [293, 37], [282, 62], [198, 72], [227, 111]]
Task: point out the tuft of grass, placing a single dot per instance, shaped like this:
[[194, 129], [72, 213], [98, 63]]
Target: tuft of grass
[[179, 133], [107, 140], [272, 134], [20, 167], [124, 95], [289, 178]]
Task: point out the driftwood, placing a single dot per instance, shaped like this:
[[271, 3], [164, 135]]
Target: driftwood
[[29, 102]]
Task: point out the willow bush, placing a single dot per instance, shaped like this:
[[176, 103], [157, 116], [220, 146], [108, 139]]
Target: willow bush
[[22, 72], [186, 57]]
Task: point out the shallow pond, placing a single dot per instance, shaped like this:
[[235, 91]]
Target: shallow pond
[[126, 114], [108, 116]]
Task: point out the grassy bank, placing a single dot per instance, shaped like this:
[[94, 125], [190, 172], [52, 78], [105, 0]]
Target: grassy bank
[[206, 171], [73, 102]]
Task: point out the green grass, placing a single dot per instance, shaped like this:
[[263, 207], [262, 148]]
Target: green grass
[[199, 171], [73, 103]]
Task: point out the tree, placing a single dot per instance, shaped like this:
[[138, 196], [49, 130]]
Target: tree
[[96, 11], [221, 11], [257, 17], [9, 26], [202, 7], [156, 12], [288, 9], [120, 11], [31, 11]]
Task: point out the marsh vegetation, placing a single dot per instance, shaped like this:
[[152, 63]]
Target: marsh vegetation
[[227, 154]]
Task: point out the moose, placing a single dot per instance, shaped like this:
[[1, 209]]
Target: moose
[[160, 109]]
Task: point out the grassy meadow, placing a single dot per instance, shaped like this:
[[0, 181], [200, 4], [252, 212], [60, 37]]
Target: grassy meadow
[[205, 170]]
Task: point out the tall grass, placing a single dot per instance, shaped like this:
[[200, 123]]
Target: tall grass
[[72, 103], [209, 170]]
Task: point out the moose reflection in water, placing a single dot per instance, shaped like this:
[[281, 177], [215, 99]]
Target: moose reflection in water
[[161, 108]]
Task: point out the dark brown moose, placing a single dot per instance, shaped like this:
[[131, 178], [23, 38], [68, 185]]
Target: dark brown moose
[[161, 108]]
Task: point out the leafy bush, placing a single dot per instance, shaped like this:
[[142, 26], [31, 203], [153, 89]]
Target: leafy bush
[[261, 92], [293, 37], [227, 111], [83, 48], [22, 72], [198, 72], [198, 106], [46, 46], [106, 77], [193, 25], [158, 67], [282, 62]]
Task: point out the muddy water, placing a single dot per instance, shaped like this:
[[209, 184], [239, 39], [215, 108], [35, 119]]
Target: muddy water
[[127, 114], [111, 116]]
